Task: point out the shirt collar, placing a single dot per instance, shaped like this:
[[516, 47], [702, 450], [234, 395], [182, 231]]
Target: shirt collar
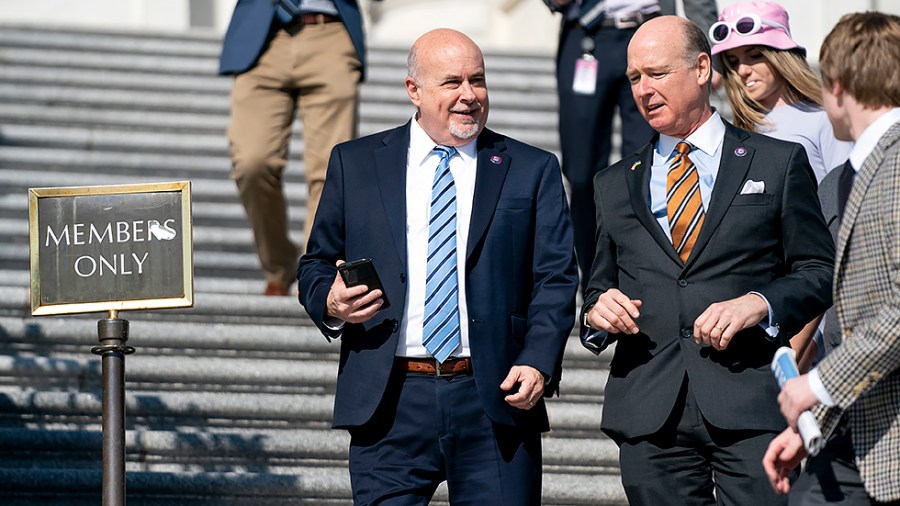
[[707, 138], [421, 145], [866, 142]]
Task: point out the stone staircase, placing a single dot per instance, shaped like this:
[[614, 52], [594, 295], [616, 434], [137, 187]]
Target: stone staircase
[[228, 402]]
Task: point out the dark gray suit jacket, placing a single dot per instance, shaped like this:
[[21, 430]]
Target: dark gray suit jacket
[[774, 243], [829, 201]]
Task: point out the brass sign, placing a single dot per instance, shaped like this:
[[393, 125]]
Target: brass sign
[[119, 247]]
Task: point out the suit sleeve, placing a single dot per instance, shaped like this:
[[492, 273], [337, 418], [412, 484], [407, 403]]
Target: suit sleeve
[[551, 310], [604, 273], [805, 290], [316, 271]]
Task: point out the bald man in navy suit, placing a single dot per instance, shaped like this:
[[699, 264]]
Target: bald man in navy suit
[[472, 419]]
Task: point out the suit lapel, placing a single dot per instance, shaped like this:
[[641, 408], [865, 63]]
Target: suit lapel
[[731, 174], [857, 194], [638, 181], [493, 166], [390, 171]]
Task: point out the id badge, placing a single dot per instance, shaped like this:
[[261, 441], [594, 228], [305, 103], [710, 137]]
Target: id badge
[[585, 82]]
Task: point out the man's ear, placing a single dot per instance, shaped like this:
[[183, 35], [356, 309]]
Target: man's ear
[[412, 89], [836, 89], [704, 69]]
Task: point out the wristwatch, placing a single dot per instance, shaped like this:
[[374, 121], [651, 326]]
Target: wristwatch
[[584, 318]]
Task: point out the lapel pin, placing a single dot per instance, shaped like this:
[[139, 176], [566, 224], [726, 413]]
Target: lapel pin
[[635, 165], [496, 160], [740, 151]]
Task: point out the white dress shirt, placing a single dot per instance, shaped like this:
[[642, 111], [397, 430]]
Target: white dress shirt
[[706, 155], [421, 164]]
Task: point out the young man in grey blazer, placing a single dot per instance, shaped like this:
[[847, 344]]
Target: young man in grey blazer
[[855, 390]]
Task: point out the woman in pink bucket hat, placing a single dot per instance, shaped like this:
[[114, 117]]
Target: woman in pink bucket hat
[[770, 86], [773, 90]]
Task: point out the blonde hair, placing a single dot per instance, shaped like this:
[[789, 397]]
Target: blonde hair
[[803, 85]]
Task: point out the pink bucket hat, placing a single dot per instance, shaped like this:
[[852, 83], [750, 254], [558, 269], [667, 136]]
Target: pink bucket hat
[[752, 23]]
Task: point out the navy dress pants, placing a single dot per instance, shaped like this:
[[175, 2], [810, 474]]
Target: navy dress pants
[[432, 429]]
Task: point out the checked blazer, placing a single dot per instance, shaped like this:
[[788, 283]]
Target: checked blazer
[[863, 374]]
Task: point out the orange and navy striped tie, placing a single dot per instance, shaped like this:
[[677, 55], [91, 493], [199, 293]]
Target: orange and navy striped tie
[[684, 206]]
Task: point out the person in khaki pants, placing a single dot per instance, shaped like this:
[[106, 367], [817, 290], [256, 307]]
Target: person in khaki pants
[[288, 55]]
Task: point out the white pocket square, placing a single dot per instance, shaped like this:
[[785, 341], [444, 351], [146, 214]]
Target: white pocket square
[[752, 186]]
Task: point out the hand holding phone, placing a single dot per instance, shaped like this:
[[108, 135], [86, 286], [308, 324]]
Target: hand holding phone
[[362, 272]]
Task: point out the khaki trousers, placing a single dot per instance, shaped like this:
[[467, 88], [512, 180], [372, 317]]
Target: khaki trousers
[[314, 69]]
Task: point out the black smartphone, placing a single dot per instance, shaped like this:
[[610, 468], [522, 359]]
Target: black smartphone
[[362, 272]]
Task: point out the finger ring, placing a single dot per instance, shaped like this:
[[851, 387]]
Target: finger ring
[[532, 403], [720, 329]]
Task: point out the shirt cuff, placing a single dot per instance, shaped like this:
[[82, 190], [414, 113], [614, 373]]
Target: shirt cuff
[[771, 330], [815, 384], [334, 327]]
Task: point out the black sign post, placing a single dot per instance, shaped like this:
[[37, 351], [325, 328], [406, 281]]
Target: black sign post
[[111, 248]]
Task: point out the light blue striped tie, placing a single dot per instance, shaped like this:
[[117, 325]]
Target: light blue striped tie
[[286, 10], [440, 333]]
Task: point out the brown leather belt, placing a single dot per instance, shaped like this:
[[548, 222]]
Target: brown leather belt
[[316, 19], [450, 367], [309, 19], [626, 20]]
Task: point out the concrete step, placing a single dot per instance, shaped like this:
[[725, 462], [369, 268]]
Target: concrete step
[[254, 332], [150, 121], [63, 38], [383, 86], [158, 409], [248, 451], [508, 119], [327, 485], [15, 182], [217, 373], [117, 140], [208, 46]]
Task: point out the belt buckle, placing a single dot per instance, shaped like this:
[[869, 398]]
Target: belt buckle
[[437, 369], [629, 20]]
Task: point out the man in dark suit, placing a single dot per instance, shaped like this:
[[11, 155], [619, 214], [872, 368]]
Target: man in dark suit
[[592, 88], [285, 55], [855, 390], [711, 252], [444, 206], [828, 199], [812, 344]]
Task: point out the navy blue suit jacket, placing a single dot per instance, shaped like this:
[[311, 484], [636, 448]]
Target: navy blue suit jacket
[[251, 28], [519, 266]]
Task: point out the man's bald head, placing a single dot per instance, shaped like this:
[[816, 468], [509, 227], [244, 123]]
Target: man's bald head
[[668, 30], [431, 43], [669, 68]]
